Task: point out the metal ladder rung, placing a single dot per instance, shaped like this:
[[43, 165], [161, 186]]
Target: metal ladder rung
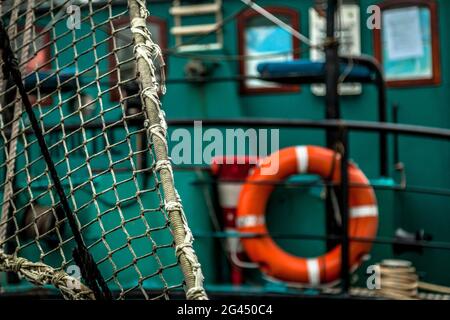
[[196, 9], [200, 47], [179, 31], [194, 29]]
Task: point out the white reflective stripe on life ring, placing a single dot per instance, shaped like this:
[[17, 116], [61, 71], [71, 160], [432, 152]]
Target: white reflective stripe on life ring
[[364, 211], [313, 271], [250, 221], [302, 159]]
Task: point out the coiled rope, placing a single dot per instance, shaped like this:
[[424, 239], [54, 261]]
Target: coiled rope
[[398, 280]]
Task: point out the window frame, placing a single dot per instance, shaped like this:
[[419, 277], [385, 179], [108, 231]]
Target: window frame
[[242, 19], [435, 44], [37, 29], [114, 93]]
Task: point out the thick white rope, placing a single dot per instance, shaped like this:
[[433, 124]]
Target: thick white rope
[[41, 274], [399, 280], [148, 51], [186, 249]]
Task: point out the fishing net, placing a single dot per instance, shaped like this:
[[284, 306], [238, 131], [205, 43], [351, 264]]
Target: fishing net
[[93, 76]]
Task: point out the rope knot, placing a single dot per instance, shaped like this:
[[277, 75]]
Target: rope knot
[[173, 206], [57, 278], [181, 248], [138, 23], [196, 293], [151, 93], [143, 11], [163, 164], [18, 264], [157, 129]]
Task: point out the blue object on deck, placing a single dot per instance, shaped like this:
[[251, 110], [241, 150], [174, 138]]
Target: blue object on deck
[[303, 68], [49, 80]]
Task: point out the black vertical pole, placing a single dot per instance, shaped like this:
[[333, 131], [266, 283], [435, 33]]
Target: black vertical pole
[[395, 120], [331, 104], [331, 70], [382, 117], [343, 204]]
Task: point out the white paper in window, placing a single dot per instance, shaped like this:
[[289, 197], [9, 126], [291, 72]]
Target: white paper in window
[[403, 34]]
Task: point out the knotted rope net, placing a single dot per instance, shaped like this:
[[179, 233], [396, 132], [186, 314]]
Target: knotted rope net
[[94, 77]]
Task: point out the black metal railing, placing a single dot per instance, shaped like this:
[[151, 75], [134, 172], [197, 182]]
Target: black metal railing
[[343, 128]]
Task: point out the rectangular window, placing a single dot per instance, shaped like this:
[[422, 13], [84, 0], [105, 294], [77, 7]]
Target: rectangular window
[[407, 45], [39, 57], [260, 40]]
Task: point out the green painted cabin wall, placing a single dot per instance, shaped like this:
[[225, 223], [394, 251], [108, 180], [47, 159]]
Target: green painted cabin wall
[[426, 161]]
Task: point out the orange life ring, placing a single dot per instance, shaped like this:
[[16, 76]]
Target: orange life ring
[[274, 261]]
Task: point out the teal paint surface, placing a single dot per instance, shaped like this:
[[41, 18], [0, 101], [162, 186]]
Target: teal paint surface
[[291, 211], [425, 160]]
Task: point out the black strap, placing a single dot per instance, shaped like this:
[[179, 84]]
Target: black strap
[[81, 255]]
